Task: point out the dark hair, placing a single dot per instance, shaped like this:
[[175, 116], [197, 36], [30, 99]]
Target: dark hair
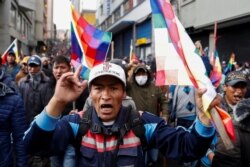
[[121, 63], [61, 59], [11, 53]]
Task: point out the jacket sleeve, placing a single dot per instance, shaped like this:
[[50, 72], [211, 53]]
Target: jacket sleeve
[[19, 125], [177, 143], [162, 99], [48, 135]]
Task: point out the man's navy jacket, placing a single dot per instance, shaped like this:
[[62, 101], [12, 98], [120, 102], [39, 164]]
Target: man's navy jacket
[[49, 135]]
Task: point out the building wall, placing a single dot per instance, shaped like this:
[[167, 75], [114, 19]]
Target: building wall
[[197, 16], [50, 24], [39, 26], [4, 25], [16, 20], [200, 13]]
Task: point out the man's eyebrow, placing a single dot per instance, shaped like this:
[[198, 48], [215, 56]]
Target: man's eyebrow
[[97, 84]]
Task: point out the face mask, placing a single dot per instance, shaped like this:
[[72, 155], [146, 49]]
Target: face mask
[[141, 80], [36, 77]]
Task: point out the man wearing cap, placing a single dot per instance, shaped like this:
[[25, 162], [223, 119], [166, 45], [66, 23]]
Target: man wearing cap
[[33, 89], [239, 155], [235, 88], [11, 67], [101, 145]]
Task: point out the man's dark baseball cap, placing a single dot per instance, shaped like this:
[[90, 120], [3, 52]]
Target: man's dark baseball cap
[[12, 53], [35, 59], [235, 77]]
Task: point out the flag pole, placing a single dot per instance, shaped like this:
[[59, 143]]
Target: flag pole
[[215, 35], [221, 129], [112, 50], [131, 50]]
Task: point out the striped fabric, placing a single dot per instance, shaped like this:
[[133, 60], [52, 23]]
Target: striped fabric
[[96, 141], [216, 73]]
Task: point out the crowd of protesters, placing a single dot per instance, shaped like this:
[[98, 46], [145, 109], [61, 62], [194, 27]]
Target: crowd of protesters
[[42, 103]]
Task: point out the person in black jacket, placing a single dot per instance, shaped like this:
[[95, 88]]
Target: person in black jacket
[[240, 154]]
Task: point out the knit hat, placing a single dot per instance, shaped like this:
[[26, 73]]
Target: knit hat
[[107, 69]]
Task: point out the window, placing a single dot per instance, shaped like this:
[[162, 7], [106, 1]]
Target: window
[[117, 14], [18, 22], [128, 6], [13, 16], [109, 21], [23, 27], [101, 10]]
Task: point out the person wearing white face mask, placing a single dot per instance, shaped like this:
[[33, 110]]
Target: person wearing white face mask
[[141, 80], [147, 97]]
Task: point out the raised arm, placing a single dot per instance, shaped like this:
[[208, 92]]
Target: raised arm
[[68, 88]]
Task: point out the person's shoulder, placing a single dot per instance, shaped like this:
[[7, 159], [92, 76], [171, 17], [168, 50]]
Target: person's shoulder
[[12, 98], [22, 80], [45, 78]]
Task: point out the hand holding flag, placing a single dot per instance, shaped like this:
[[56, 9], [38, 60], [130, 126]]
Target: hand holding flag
[[179, 64]]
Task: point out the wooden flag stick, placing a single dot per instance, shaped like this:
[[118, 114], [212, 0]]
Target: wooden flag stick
[[221, 129]]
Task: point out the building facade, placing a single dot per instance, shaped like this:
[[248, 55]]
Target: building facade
[[28, 21], [130, 20]]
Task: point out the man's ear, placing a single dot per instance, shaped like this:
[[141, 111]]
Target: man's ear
[[224, 88], [124, 94], [90, 94]]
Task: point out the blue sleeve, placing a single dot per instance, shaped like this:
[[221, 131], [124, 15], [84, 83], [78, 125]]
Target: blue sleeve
[[177, 143], [46, 122], [53, 134]]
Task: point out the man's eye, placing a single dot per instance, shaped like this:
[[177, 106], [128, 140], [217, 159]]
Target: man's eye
[[97, 88]]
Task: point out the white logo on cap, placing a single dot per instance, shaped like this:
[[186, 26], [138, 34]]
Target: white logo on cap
[[106, 66]]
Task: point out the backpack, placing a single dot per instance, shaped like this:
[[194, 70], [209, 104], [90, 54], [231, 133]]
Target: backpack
[[134, 123]]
